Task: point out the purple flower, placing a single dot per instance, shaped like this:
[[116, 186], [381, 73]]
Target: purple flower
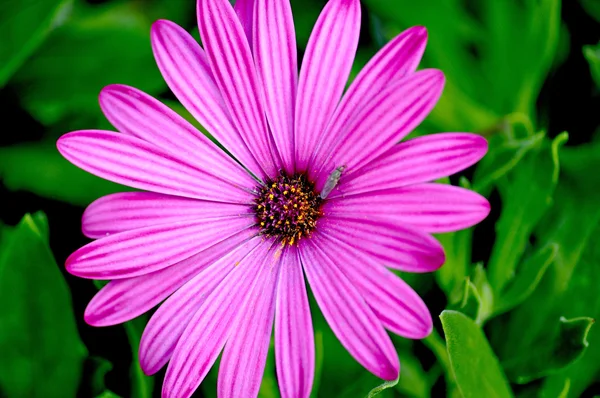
[[319, 188]]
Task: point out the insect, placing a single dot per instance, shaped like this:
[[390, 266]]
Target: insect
[[332, 181]]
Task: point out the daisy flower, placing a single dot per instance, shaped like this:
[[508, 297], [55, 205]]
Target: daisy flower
[[312, 185]]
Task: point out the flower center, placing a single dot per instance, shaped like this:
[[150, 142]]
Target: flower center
[[287, 208]]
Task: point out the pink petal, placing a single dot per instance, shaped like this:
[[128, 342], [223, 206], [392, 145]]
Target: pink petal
[[294, 336], [418, 160], [378, 126], [429, 207], [134, 112], [185, 68], [124, 299], [325, 69], [210, 327], [276, 64], [350, 318], [122, 212], [149, 249], [388, 241], [170, 320], [136, 163], [233, 68], [245, 12], [397, 59], [245, 354], [395, 303]]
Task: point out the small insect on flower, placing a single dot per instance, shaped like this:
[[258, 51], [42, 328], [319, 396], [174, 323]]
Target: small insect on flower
[[332, 181]]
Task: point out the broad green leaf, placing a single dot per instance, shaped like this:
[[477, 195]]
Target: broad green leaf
[[468, 350], [526, 194], [41, 351], [530, 274], [592, 54], [565, 343], [100, 45], [39, 168], [24, 24]]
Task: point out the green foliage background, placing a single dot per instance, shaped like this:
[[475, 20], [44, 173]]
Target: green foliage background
[[518, 295]]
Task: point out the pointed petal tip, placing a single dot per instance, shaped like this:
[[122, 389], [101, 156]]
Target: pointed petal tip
[[389, 370]]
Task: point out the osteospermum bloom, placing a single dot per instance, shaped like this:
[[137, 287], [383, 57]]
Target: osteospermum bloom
[[314, 186]]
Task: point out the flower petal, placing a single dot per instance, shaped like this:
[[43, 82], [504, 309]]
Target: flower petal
[[124, 299], [231, 62], [136, 163], [294, 336], [389, 241], [277, 67], [245, 12], [170, 320], [325, 69], [395, 303], [350, 318], [395, 60], [378, 126], [185, 68], [210, 327], [125, 211], [134, 112], [245, 354], [418, 160], [430, 207], [149, 249]]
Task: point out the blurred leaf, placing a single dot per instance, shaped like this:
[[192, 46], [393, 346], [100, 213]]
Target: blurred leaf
[[40, 348], [504, 154], [471, 300], [141, 385], [592, 54], [530, 275], [39, 168], [108, 394], [103, 366], [562, 346], [495, 54], [592, 7], [305, 14], [384, 386], [526, 194], [100, 45], [568, 287], [24, 24], [318, 362], [450, 277], [414, 382], [468, 350]]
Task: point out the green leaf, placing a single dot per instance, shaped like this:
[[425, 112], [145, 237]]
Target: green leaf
[[41, 351], [592, 7], [39, 168], [100, 45], [568, 285], [24, 25], [414, 382], [592, 54], [526, 195], [469, 349], [561, 347], [505, 153], [495, 54], [530, 275], [384, 386]]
